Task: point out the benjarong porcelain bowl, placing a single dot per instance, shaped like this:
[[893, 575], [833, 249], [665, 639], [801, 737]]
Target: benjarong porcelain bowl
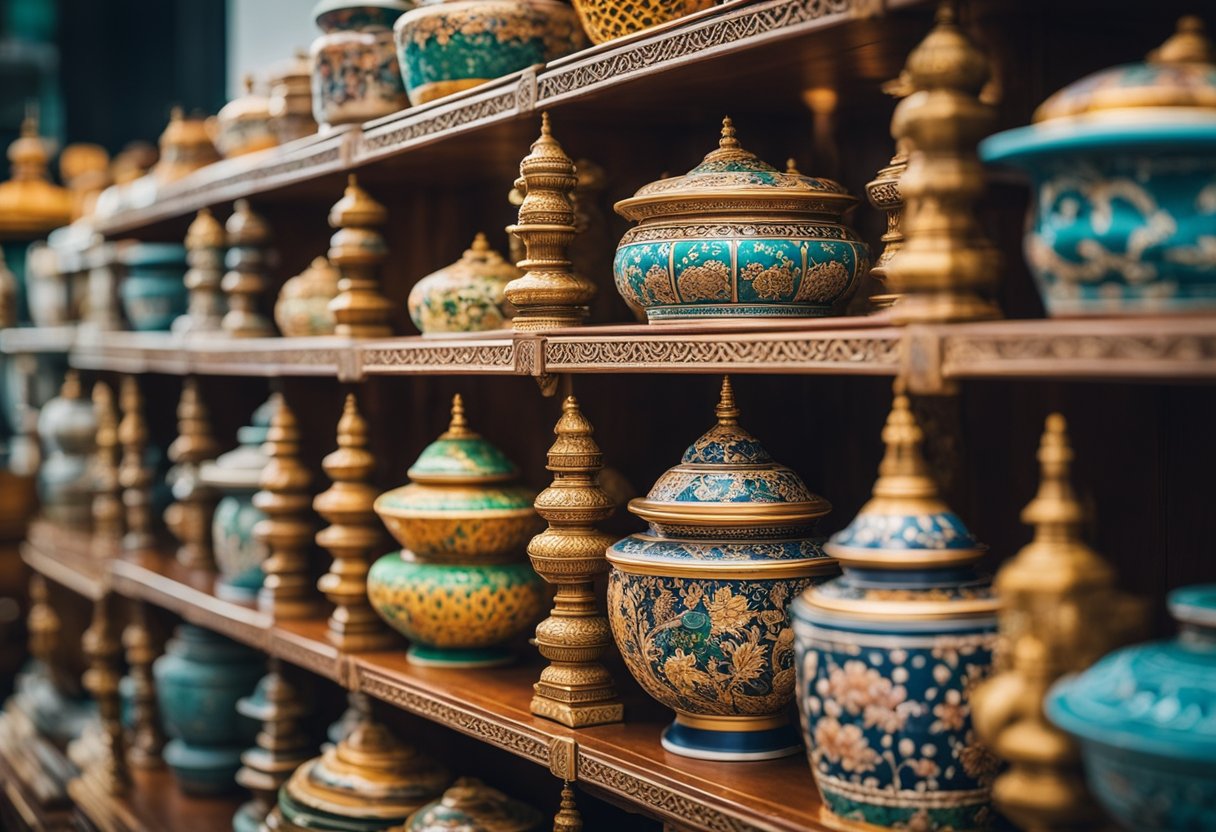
[[736, 238], [355, 77], [302, 308], [1123, 163], [473, 806], [446, 47], [1144, 718], [697, 602], [466, 296], [153, 292]]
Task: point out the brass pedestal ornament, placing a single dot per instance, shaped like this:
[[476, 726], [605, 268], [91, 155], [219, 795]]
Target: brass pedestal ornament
[[107, 772], [245, 282], [146, 737], [108, 520], [574, 689], [205, 254], [549, 294], [133, 474], [351, 538], [189, 516], [885, 195], [357, 249], [1060, 613], [947, 269], [568, 817]]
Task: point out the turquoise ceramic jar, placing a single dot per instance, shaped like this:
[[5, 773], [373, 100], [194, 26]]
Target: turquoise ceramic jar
[[199, 679], [355, 77], [153, 292], [68, 429], [446, 47], [1145, 718], [697, 602], [1123, 209], [736, 238], [889, 652]]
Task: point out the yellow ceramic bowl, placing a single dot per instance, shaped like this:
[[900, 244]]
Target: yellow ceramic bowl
[[482, 523]]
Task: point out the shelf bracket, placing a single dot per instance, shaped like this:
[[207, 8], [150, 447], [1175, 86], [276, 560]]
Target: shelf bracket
[[563, 758], [922, 363]]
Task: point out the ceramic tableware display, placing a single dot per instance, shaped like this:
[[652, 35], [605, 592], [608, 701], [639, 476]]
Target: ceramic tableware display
[[302, 307], [199, 679], [697, 602], [466, 296], [889, 653], [472, 806], [243, 124], [605, 20], [1143, 718], [736, 238], [236, 475], [355, 77], [1123, 164], [290, 102], [153, 291], [446, 47], [68, 427], [460, 587]]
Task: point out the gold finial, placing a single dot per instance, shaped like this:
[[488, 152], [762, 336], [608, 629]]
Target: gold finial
[[247, 81], [1189, 44], [727, 140], [176, 113], [133, 474], [189, 516], [283, 743], [568, 818], [458, 427], [480, 246], [107, 770], [352, 430], [726, 411], [246, 280], [903, 472], [107, 507], [357, 249], [71, 386], [546, 131], [205, 239], [146, 737], [791, 167]]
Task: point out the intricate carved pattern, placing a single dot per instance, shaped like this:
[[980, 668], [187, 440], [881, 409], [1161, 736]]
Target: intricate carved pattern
[[448, 357], [652, 233], [967, 355], [876, 352], [415, 127]]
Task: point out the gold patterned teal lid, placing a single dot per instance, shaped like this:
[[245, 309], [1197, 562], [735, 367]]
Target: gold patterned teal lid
[[460, 455], [471, 805]]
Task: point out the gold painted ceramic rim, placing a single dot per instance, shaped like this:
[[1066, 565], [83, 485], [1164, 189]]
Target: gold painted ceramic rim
[[904, 559], [459, 479], [304, 790], [906, 610], [425, 93], [732, 723], [729, 514], [760, 570], [759, 197], [461, 514]]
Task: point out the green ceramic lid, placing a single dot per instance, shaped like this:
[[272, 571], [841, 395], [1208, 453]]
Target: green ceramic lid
[[417, 499], [461, 455]]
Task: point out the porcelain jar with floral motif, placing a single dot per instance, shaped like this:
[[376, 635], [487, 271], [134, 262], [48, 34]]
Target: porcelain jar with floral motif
[[302, 308], [355, 77], [243, 124], [153, 291], [736, 238], [472, 806], [697, 602], [1123, 204], [1145, 717], [448, 46], [466, 296]]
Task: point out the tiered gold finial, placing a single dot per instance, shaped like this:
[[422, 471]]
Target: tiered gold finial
[[1060, 613], [1189, 44], [947, 269], [568, 818], [107, 510], [357, 249], [107, 772], [574, 689], [133, 474], [245, 282], [287, 530], [189, 516], [42, 622], [205, 252], [352, 536], [458, 426], [884, 194], [549, 293], [726, 410], [283, 744], [146, 738], [30, 204]]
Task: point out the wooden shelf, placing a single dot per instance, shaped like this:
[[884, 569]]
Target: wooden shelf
[[19, 340], [152, 803]]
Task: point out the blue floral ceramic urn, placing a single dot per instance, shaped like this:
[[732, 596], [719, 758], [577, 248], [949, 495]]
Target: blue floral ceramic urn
[[153, 293], [889, 653], [355, 77], [697, 602], [1146, 720], [1123, 214]]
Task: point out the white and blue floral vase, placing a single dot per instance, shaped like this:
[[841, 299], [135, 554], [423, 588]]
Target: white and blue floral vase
[[888, 654]]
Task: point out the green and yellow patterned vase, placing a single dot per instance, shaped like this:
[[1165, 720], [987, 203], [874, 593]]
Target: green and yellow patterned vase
[[697, 602], [466, 296], [889, 653]]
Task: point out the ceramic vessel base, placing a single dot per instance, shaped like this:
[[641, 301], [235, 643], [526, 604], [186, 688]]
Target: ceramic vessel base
[[247, 818], [735, 312], [731, 746], [427, 656]]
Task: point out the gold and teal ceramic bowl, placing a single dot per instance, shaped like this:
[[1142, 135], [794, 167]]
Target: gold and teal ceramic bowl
[[471, 805]]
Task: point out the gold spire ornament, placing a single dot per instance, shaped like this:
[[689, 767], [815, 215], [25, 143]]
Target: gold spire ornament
[[885, 195], [574, 689], [549, 294], [133, 473], [146, 738], [357, 249], [107, 509], [205, 253], [30, 204], [245, 282], [351, 537], [287, 531], [189, 516], [568, 817], [107, 772], [1060, 613], [947, 269]]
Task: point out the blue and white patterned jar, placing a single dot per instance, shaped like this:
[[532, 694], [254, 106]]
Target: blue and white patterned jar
[[355, 77], [889, 653]]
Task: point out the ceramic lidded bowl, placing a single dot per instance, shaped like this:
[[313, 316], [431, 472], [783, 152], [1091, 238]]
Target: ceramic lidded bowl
[[446, 47], [185, 146], [153, 292], [473, 806], [889, 653], [466, 296], [697, 602], [290, 103], [1144, 718], [243, 124], [355, 77], [67, 425], [1123, 203], [606, 20], [302, 308], [736, 238]]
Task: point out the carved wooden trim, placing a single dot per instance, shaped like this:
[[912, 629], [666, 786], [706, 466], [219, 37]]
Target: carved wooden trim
[[417, 355]]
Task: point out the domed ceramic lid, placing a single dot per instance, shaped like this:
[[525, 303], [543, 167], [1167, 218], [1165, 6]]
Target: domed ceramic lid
[[731, 180], [479, 261], [796, 557], [241, 468], [67, 422], [1157, 699], [461, 456], [335, 15], [29, 202], [251, 106], [471, 805]]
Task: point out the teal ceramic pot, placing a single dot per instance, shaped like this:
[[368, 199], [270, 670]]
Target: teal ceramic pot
[[1143, 716], [471, 806], [446, 47], [153, 293], [736, 238], [888, 654], [68, 430], [697, 604], [466, 296], [355, 77], [202, 771], [236, 474], [59, 715], [1123, 203]]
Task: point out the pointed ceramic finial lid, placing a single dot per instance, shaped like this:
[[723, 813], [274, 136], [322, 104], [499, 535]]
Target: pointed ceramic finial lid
[[356, 208], [30, 203], [246, 227], [461, 455], [205, 231]]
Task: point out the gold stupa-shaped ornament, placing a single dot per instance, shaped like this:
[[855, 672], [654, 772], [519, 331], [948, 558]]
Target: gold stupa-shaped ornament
[[205, 253], [30, 204], [357, 249], [134, 475], [108, 520], [246, 282], [885, 195], [188, 518]]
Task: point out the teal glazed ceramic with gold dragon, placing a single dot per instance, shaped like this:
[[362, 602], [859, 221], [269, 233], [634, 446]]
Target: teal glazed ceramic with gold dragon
[[736, 238], [697, 602], [889, 653]]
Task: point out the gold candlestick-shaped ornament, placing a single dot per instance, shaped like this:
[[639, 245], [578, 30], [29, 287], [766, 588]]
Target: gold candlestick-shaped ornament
[[189, 516], [205, 254], [357, 249], [352, 536], [108, 521], [287, 531], [245, 283], [549, 294], [146, 738], [107, 772], [947, 269], [575, 689], [133, 474], [885, 195]]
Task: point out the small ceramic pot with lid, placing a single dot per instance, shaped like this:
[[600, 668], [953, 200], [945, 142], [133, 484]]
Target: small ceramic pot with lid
[[472, 806], [243, 124], [302, 308], [68, 427], [185, 146], [466, 296], [355, 77], [290, 102], [153, 291]]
